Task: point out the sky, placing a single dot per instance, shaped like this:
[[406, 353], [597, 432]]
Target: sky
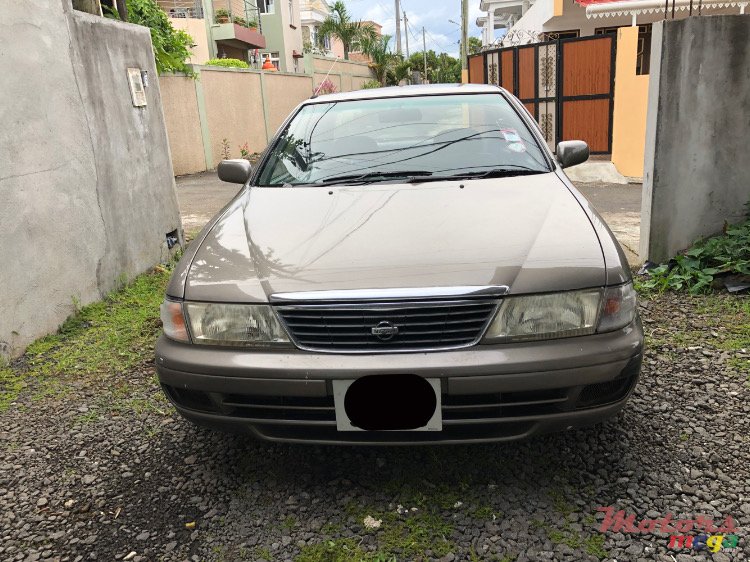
[[442, 36]]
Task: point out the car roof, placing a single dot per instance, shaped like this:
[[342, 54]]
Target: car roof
[[406, 91]]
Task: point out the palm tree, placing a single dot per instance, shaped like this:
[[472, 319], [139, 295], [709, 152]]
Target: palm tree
[[381, 59], [339, 24]]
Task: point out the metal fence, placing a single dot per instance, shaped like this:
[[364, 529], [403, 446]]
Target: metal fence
[[182, 8]]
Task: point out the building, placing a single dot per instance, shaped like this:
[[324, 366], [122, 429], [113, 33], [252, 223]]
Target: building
[[219, 28], [313, 13], [592, 82], [519, 22], [281, 23], [359, 56]]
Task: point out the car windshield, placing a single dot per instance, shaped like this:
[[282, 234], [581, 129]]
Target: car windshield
[[403, 139]]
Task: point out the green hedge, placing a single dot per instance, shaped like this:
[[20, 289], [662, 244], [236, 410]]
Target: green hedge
[[228, 63]]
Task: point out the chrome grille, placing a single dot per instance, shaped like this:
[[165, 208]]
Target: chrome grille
[[348, 328]]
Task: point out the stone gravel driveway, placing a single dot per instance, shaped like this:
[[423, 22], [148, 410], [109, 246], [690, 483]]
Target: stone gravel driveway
[[138, 483]]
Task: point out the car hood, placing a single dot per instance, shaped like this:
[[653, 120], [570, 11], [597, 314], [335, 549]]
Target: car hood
[[528, 233]]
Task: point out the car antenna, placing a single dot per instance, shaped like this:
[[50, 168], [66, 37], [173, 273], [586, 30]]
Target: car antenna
[[315, 93]]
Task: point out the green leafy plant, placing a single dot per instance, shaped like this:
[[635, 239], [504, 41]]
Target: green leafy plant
[[695, 269], [382, 60], [245, 152], [221, 16], [171, 46], [228, 63], [371, 84], [225, 154], [339, 24]]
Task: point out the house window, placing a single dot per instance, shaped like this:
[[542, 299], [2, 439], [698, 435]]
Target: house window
[[555, 35], [643, 60], [266, 6], [327, 43], [274, 59]]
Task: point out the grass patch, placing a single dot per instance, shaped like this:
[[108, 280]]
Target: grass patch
[[402, 537], [722, 324], [592, 544], [410, 537], [340, 550], [110, 336], [262, 553], [289, 522], [694, 270], [485, 513]]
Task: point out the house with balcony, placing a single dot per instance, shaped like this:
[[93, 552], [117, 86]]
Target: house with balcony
[[519, 22], [312, 15], [219, 28], [282, 27]]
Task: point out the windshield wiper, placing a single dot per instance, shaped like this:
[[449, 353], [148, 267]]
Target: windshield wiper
[[493, 173], [372, 177]]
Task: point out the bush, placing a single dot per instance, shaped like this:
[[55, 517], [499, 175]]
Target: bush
[[171, 46], [695, 269], [228, 63], [371, 85]]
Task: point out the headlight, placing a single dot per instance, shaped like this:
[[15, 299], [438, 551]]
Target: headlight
[[618, 308], [543, 317], [234, 324]]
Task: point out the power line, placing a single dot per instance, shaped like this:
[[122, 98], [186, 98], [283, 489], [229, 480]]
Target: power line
[[438, 45]]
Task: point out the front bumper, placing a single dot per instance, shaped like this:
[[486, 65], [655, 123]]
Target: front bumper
[[489, 392]]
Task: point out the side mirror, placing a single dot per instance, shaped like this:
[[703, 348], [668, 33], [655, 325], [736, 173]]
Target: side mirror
[[235, 171], [571, 153]]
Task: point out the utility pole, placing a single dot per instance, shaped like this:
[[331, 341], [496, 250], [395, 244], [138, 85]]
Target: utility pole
[[464, 40], [406, 34], [398, 27], [424, 52]]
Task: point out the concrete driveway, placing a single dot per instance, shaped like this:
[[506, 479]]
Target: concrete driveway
[[201, 196], [620, 207]]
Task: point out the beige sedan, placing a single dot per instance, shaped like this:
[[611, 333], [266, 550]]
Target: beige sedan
[[405, 265]]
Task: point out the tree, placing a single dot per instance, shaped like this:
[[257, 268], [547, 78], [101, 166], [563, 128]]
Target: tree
[[339, 25], [441, 68], [475, 45], [382, 60], [171, 46]]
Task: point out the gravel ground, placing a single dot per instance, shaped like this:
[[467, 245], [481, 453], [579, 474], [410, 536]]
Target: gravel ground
[[84, 479]]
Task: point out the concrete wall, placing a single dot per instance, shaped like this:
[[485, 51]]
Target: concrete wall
[[631, 104], [345, 75], [284, 93], [180, 104], [234, 111], [242, 106], [88, 193], [697, 167]]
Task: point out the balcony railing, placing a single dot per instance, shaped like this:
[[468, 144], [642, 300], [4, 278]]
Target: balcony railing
[[182, 8]]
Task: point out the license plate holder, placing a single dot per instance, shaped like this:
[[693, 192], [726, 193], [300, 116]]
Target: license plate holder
[[344, 423]]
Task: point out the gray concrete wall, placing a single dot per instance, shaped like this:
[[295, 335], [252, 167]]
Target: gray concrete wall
[[697, 169], [85, 177]]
